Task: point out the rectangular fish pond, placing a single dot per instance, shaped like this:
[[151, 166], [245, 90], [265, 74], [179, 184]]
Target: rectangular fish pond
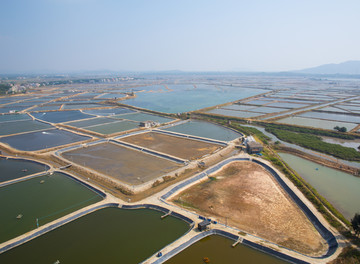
[[218, 250], [11, 169], [128, 165], [113, 127], [45, 198], [22, 126], [33, 141], [109, 235], [144, 117], [60, 116], [205, 129]]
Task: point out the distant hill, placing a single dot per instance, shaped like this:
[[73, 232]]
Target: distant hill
[[348, 67]]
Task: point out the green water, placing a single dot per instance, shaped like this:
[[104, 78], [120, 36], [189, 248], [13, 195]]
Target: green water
[[57, 196], [110, 235], [219, 251], [11, 169], [339, 188], [205, 129]]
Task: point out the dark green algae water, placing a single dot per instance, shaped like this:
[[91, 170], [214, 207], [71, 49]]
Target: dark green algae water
[[109, 235], [55, 197]]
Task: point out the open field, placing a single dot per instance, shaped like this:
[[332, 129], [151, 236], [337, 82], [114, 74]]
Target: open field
[[130, 166], [175, 146], [247, 197]]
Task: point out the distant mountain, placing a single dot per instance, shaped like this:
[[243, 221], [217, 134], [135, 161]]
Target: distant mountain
[[348, 67]]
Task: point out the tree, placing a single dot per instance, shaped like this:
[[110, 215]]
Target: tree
[[340, 129], [355, 223]]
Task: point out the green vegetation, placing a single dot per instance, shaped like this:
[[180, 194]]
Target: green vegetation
[[310, 193], [349, 255], [312, 131], [4, 88], [355, 223], [315, 143], [340, 129]]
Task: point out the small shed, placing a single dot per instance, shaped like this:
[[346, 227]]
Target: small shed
[[254, 147], [204, 225]]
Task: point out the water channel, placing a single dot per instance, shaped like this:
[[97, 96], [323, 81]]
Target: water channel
[[339, 188]]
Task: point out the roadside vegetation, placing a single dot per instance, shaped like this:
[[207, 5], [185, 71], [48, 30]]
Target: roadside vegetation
[[4, 88], [315, 143]]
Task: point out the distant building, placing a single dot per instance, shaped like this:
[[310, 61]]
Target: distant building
[[149, 123]]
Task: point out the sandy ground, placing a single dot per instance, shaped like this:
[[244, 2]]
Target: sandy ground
[[244, 195], [175, 146], [130, 166]]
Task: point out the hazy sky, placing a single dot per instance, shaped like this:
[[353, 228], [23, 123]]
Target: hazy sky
[[194, 35]]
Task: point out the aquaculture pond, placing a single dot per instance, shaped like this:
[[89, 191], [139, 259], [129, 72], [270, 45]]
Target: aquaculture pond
[[42, 139], [13, 117], [11, 169], [205, 129], [226, 112], [144, 117], [218, 250], [114, 127], [318, 123], [184, 98], [60, 116], [45, 198], [339, 188], [91, 122], [22, 126], [110, 235], [108, 112], [335, 117]]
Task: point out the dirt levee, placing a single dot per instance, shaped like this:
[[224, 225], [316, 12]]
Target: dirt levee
[[175, 146], [248, 197], [130, 166]]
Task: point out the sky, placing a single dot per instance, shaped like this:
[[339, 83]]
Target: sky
[[188, 35]]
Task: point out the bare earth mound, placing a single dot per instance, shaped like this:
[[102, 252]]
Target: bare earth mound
[[175, 146], [249, 198]]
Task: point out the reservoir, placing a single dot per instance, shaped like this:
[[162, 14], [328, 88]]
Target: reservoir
[[45, 198], [109, 235], [218, 250], [11, 169], [339, 188]]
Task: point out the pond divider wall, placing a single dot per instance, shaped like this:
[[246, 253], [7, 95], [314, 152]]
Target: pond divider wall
[[228, 235], [151, 152], [323, 231], [180, 135]]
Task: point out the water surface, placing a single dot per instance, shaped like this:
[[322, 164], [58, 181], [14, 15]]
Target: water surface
[[57, 196], [110, 235], [218, 250], [339, 188], [11, 169], [205, 129]]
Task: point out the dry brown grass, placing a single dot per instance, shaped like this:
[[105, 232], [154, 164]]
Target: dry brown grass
[[249, 198]]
